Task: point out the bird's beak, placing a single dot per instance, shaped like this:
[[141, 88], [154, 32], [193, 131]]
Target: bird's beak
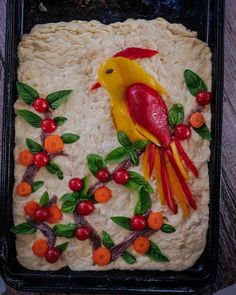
[[95, 86]]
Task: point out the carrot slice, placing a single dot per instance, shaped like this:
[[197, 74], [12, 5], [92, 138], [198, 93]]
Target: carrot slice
[[101, 256], [24, 189], [197, 120], [141, 245], [30, 208], [53, 144], [55, 214], [157, 167], [103, 194], [155, 220], [26, 158], [40, 247]]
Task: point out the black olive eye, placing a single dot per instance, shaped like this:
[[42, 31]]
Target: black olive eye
[[109, 71]]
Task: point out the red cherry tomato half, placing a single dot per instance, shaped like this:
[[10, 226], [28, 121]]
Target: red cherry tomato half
[[204, 97], [103, 175], [49, 125], [76, 184], [41, 159], [42, 214], [82, 233], [85, 208], [138, 222], [121, 176], [41, 105], [52, 255], [182, 131]]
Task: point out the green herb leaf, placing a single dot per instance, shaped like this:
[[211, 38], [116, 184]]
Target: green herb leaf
[[30, 117], [62, 247], [86, 186], [122, 221], [155, 253], [69, 206], [55, 99], [44, 199], [176, 115], [60, 120], [36, 185], [136, 180], [65, 230], [203, 131], [134, 158], [42, 7], [25, 228], [193, 82], [106, 240], [95, 163], [69, 138], [33, 146], [117, 155], [69, 197], [140, 144], [26, 92], [53, 168], [128, 257], [124, 140], [167, 228], [144, 202]]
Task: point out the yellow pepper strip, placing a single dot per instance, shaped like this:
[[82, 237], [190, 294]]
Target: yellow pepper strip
[[147, 134], [177, 189], [157, 167], [145, 163], [178, 161]]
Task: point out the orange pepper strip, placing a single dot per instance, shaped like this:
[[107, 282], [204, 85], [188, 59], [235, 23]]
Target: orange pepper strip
[[157, 167], [145, 163], [178, 160], [176, 188]]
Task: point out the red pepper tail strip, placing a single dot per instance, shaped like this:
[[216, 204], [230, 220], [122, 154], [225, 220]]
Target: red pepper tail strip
[[185, 157], [166, 186], [136, 52], [151, 153], [96, 85], [182, 181]]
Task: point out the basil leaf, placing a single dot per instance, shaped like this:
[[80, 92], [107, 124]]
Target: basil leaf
[[204, 132], [44, 199], [53, 168], [30, 117], [116, 156], [69, 206], [69, 137], [69, 197], [122, 221], [33, 146], [134, 158], [86, 186], [62, 247], [60, 120], [106, 240], [36, 185], [155, 253], [55, 99], [136, 180], [95, 163], [65, 230], [25, 228], [140, 144], [42, 7], [176, 115], [193, 82], [167, 228], [26, 92], [124, 140], [128, 257], [144, 202]]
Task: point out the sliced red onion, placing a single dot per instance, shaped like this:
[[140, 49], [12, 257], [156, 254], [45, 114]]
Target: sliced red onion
[[52, 201], [46, 231], [30, 173]]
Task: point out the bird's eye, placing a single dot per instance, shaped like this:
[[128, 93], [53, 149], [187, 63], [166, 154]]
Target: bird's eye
[[109, 71]]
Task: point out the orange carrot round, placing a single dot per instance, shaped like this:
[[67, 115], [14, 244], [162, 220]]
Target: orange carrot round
[[53, 144], [101, 256], [55, 214], [103, 194], [197, 120], [24, 189], [141, 245], [40, 247], [155, 220], [30, 208], [26, 158]]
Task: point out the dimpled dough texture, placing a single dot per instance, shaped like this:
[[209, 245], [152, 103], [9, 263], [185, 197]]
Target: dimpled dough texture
[[67, 56]]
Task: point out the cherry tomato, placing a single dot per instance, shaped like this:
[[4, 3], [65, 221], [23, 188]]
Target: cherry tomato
[[82, 233], [103, 175], [138, 222], [41, 105], [76, 184], [41, 159], [204, 97], [49, 125], [52, 255], [42, 214], [121, 176], [182, 131], [85, 208]]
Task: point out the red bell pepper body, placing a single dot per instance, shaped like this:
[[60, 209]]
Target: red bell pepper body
[[95, 86], [136, 52], [149, 110], [151, 153]]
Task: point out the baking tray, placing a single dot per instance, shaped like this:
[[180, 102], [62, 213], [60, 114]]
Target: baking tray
[[203, 16]]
